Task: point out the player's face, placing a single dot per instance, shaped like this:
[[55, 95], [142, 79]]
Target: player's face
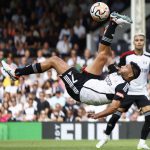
[[126, 71], [139, 41]]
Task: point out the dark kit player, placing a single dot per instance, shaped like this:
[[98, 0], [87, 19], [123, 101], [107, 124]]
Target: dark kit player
[[85, 86]]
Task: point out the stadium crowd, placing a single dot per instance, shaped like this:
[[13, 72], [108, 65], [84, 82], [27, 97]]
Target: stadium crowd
[[31, 31]]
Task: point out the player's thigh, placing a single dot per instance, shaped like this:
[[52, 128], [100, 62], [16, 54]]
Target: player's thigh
[[126, 103], [57, 63], [144, 103]]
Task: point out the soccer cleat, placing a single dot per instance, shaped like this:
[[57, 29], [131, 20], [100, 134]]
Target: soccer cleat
[[102, 142], [142, 146], [9, 70], [120, 19]]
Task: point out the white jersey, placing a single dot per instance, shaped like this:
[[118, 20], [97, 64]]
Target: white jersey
[[138, 86], [99, 92]]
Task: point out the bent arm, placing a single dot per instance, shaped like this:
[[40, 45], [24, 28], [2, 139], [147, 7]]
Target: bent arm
[[111, 109]]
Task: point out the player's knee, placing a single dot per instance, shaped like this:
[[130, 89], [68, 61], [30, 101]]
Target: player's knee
[[53, 60]]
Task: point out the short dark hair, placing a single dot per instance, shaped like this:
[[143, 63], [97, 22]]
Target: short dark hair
[[136, 69]]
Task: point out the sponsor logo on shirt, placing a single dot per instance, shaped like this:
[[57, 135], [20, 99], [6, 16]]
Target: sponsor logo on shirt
[[120, 94]]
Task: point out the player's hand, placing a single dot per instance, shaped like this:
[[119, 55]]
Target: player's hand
[[91, 115]]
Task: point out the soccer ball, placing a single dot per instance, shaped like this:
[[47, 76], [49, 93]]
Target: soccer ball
[[99, 11]]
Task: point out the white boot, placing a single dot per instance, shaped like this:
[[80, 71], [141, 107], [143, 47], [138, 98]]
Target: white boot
[[120, 19], [7, 69], [142, 145], [102, 142]]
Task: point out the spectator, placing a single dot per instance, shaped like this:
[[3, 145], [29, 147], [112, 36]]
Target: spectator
[[40, 57], [46, 49], [11, 88], [70, 116], [81, 115], [64, 46], [80, 31], [73, 38], [43, 117], [4, 117], [27, 55], [74, 59], [87, 57], [30, 112], [57, 99], [23, 87], [42, 104], [23, 62], [64, 31], [57, 114], [14, 109]]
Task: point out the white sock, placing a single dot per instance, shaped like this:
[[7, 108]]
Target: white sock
[[106, 136], [142, 141]]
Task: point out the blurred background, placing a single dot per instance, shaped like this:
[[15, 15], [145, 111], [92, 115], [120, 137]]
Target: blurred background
[[33, 30]]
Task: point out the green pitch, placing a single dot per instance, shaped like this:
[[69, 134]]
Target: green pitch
[[67, 145]]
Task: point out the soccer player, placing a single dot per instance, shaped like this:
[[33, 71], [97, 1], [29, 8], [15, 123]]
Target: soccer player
[[85, 86], [137, 92]]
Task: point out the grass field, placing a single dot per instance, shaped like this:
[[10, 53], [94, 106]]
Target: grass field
[[67, 145]]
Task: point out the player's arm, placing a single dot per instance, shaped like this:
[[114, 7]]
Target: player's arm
[[109, 110], [120, 92], [112, 68]]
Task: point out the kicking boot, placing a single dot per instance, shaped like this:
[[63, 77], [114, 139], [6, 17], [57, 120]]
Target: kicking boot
[[102, 142], [7, 69], [120, 19]]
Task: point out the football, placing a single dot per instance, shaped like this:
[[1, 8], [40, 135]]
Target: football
[[99, 11]]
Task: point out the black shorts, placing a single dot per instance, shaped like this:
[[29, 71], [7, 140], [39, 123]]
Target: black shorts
[[74, 81], [139, 100]]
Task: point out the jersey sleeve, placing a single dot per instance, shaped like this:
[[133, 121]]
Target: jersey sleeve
[[121, 91]]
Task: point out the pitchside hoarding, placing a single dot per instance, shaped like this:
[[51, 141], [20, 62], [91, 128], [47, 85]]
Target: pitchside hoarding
[[77, 131], [67, 131], [90, 131]]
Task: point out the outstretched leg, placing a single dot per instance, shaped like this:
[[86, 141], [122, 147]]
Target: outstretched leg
[[104, 47], [52, 62], [104, 51]]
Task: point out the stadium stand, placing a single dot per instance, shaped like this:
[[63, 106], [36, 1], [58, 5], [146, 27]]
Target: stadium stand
[[31, 31]]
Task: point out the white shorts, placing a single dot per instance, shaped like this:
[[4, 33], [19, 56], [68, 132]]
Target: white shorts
[[89, 97]]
